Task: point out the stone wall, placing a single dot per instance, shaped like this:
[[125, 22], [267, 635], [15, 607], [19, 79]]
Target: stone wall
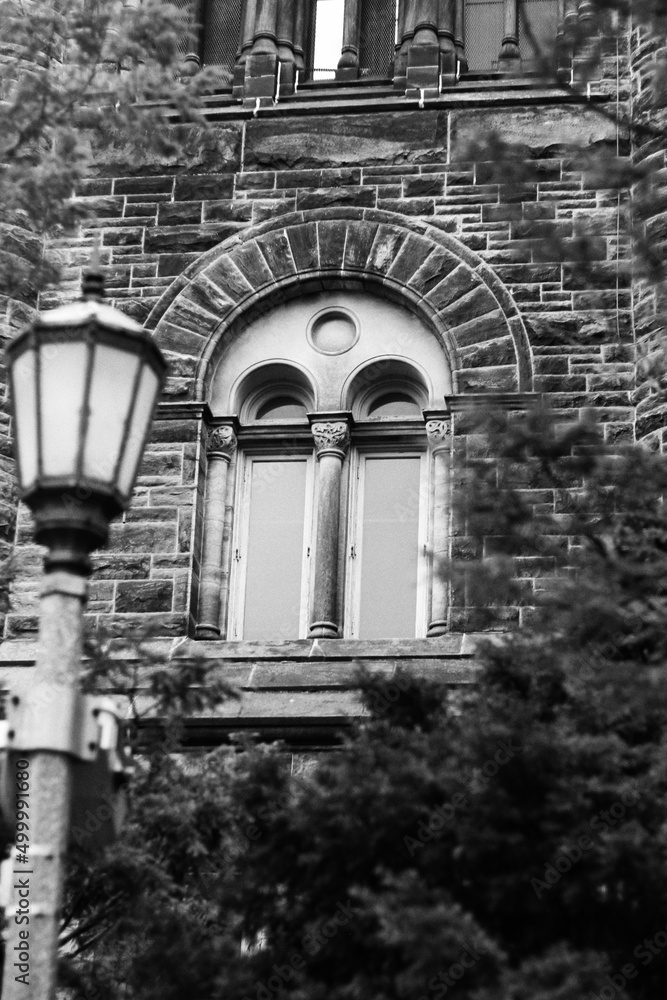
[[158, 220]]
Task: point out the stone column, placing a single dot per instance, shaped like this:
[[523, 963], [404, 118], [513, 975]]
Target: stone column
[[459, 34], [300, 36], [509, 59], [192, 59], [406, 32], [247, 35], [423, 68], [261, 68], [438, 431], [446, 19], [348, 64], [220, 450], [285, 31], [331, 432]]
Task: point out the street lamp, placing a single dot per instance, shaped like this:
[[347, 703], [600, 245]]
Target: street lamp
[[84, 380]]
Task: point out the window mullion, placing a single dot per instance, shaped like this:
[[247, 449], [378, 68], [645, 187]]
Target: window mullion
[[332, 437], [438, 431]]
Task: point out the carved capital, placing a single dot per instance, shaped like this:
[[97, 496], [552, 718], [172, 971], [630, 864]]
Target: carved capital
[[221, 441], [331, 435], [437, 432]]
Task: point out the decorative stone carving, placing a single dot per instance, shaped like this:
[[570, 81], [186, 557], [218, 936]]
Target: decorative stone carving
[[331, 436], [438, 432], [221, 441]]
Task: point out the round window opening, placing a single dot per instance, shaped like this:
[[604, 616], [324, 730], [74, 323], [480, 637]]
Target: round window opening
[[333, 331]]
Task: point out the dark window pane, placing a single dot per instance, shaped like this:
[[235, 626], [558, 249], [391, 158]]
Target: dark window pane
[[394, 404], [222, 30], [483, 33], [542, 17], [281, 408], [378, 33]]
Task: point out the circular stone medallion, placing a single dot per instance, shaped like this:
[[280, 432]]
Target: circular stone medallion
[[333, 330]]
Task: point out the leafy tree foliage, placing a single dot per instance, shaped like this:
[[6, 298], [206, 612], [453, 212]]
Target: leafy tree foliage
[[75, 76]]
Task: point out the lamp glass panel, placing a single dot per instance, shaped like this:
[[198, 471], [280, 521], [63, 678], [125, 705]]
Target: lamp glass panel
[[149, 386], [111, 388], [390, 548], [25, 407], [62, 383]]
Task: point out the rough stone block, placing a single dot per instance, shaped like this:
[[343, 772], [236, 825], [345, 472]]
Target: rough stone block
[[429, 184], [332, 243], [437, 266], [203, 187], [326, 197], [303, 242], [224, 273], [338, 141], [228, 211], [143, 537], [179, 213], [537, 132], [252, 265], [176, 239], [195, 151], [144, 625], [388, 242], [358, 244], [144, 596], [276, 250]]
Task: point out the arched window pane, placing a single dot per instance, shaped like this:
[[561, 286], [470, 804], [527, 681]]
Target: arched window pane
[[394, 404], [281, 408]]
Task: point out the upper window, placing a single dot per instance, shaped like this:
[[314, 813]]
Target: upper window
[[338, 360]]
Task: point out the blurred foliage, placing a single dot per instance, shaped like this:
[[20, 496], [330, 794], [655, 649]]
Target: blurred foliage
[[440, 848], [73, 75]]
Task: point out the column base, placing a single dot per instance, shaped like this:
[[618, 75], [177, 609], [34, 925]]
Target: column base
[[423, 70], [238, 80], [347, 73], [204, 631], [261, 76], [509, 60], [323, 630], [448, 76], [286, 77], [437, 627]]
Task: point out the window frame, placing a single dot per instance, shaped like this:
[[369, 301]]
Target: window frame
[[401, 438], [261, 450]]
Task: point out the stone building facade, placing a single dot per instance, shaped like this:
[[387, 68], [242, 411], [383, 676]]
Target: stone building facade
[[334, 277]]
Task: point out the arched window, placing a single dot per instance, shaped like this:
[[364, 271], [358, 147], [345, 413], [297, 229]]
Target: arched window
[[326, 525]]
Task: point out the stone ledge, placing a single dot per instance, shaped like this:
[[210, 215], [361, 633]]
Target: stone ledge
[[21, 652]]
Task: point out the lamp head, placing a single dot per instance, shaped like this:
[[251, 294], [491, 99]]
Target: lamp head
[[85, 380]]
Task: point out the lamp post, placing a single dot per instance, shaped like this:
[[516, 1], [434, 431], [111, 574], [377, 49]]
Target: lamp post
[[84, 380]]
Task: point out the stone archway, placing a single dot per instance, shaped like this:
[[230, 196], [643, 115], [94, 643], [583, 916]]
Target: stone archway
[[414, 263]]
